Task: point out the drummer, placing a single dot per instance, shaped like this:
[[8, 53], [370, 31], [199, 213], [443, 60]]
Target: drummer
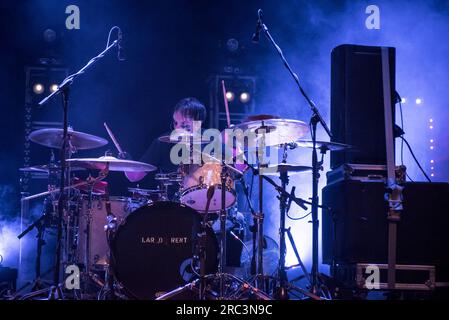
[[185, 112]]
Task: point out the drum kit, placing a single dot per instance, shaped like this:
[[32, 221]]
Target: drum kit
[[151, 246]]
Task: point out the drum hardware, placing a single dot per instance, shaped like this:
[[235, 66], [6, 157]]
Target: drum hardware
[[147, 195], [40, 224], [229, 286], [281, 292], [67, 140], [202, 243], [261, 278], [112, 164], [184, 137], [314, 120]]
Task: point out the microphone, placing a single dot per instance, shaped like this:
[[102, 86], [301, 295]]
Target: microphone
[[256, 35], [120, 53]]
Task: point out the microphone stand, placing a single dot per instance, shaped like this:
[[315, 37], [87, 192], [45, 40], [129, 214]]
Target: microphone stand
[[253, 228], [63, 88], [314, 120]]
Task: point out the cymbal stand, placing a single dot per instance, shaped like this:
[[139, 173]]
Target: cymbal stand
[[38, 284], [315, 119], [281, 292]]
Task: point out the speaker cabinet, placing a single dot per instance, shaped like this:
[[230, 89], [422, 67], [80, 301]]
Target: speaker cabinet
[[357, 103], [361, 226]]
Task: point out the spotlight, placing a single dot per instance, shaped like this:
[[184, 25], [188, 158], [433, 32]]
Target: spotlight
[[431, 147], [431, 168], [403, 100], [430, 127], [431, 161], [432, 175], [232, 45], [431, 140], [418, 101], [38, 88], [53, 87], [430, 120], [230, 96], [244, 97], [49, 35]]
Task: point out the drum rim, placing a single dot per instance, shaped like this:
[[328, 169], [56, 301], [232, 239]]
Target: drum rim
[[198, 187]]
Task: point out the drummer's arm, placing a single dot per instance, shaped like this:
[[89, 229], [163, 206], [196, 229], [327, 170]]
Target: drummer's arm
[[135, 176], [150, 156]]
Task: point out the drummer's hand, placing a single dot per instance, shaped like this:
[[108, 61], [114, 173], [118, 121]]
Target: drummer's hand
[[135, 176]]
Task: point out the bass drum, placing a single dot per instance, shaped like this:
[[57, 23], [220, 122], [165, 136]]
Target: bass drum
[[152, 250]]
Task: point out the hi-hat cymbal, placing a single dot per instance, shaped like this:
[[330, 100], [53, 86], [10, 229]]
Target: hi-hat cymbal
[[285, 167], [113, 163], [52, 138], [326, 145], [144, 192], [186, 137], [277, 131]]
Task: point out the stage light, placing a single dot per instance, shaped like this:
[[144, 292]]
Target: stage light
[[431, 147], [431, 168], [244, 97], [230, 96], [232, 45], [418, 101], [432, 175], [53, 87], [430, 127], [431, 161], [403, 100], [430, 120], [38, 88], [431, 140]]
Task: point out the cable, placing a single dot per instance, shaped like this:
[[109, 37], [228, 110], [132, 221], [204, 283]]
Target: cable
[[300, 218], [416, 160], [402, 141], [110, 32], [402, 127]]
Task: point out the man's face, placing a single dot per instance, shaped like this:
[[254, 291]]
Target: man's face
[[182, 122]]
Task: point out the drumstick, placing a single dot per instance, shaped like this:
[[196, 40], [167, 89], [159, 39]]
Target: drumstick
[[228, 118], [113, 138]]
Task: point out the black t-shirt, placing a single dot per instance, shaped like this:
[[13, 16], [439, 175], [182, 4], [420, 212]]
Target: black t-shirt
[[158, 154]]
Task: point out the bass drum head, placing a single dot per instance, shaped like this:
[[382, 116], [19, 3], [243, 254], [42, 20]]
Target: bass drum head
[[152, 251]]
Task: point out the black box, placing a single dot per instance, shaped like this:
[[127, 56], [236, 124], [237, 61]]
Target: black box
[[357, 103], [360, 213]]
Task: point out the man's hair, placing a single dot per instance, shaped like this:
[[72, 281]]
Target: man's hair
[[191, 108]]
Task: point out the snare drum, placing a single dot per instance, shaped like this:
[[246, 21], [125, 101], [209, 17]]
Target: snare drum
[[196, 181]]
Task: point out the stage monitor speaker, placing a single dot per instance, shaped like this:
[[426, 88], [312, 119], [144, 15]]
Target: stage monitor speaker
[[357, 103], [361, 228]]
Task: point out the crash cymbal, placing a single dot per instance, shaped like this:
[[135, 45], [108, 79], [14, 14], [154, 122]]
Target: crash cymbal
[[326, 145], [184, 138], [52, 138], [113, 163], [277, 131], [286, 167]]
